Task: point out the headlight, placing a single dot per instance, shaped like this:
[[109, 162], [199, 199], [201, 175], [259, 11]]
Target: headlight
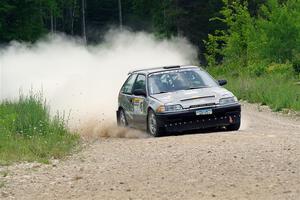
[[228, 100], [172, 108], [169, 108]]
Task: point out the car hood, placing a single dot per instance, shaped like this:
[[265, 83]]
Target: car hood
[[187, 98]]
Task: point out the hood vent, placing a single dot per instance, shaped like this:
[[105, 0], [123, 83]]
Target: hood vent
[[195, 98]]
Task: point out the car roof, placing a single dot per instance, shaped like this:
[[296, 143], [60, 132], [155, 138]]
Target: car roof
[[163, 68]]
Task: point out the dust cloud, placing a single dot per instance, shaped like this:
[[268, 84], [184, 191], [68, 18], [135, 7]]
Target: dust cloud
[[85, 80]]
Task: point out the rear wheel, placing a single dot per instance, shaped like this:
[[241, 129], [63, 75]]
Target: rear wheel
[[153, 128], [122, 118], [233, 127]]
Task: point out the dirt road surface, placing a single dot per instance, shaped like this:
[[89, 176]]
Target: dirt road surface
[[261, 161]]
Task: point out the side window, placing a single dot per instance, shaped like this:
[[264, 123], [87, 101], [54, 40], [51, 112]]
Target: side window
[[140, 83], [127, 87]]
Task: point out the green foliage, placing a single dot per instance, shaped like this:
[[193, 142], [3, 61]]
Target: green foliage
[[260, 52], [279, 30], [235, 40], [166, 17], [257, 69], [296, 65], [277, 90], [270, 37], [28, 20], [240, 25], [28, 133], [280, 68], [20, 20], [213, 50]]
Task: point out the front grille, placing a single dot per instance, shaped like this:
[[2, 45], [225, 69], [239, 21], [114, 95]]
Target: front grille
[[202, 105]]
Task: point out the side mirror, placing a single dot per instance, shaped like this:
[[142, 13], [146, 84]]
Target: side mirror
[[139, 92], [222, 82]]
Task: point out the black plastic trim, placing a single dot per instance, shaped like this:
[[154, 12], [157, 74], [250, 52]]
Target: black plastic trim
[[188, 120]]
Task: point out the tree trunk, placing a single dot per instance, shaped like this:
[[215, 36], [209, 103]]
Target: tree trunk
[[165, 21], [83, 21], [41, 13], [73, 17], [120, 15], [177, 20], [55, 24], [63, 25], [51, 19]]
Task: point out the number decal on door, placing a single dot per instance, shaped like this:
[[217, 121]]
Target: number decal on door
[[138, 105]]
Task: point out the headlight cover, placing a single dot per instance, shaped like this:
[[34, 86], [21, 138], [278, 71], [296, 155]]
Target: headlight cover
[[228, 100], [172, 108], [169, 108]]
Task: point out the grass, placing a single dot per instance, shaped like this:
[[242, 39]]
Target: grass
[[277, 90], [29, 133]]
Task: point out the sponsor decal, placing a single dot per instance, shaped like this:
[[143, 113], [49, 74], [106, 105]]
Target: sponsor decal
[[138, 105]]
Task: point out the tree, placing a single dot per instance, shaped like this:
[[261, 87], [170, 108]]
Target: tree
[[231, 44], [165, 18], [256, 40], [120, 15], [279, 30], [83, 20], [21, 20]]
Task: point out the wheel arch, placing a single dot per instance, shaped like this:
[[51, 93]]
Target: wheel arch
[[150, 108], [120, 108]]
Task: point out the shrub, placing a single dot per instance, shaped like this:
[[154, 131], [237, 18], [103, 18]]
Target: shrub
[[257, 70], [296, 66], [29, 133], [279, 68]]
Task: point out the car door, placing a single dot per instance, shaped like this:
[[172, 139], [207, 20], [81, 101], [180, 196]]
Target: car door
[[140, 103], [126, 97]]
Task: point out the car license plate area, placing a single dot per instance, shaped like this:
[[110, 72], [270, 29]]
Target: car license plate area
[[204, 112]]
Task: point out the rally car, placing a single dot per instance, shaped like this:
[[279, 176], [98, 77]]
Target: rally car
[[176, 99]]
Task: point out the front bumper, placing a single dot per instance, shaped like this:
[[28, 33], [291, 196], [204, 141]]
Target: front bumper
[[188, 120]]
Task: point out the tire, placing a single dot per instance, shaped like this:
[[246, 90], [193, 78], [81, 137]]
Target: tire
[[233, 127], [122, 122], [152, 127]]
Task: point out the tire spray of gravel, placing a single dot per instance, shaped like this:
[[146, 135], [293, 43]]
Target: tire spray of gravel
[[82, 80], [95, 130]]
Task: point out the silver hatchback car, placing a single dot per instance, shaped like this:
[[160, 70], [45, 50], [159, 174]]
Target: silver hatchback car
[[176, 99]]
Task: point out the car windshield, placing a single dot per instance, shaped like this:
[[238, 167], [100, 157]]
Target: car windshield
[[172, 81]]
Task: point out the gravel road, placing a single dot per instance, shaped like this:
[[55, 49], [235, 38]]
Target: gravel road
[[261, 161]]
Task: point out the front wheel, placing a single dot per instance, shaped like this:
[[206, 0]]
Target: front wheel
[[153, 128]]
